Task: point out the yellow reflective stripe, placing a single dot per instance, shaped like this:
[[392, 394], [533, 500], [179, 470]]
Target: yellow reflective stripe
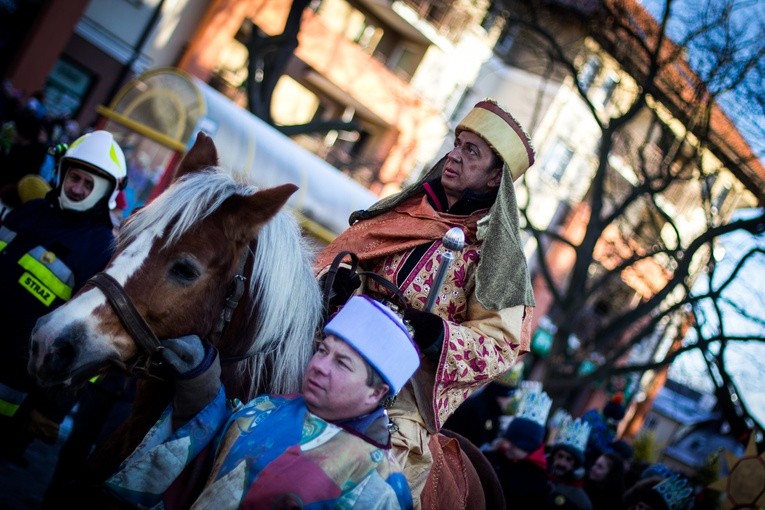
[[8, 409], [46, 277], [3, 244], [95, 378], [37, 289], [10, 400]]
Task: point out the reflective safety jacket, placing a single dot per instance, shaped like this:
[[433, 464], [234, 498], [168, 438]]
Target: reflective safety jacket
[[46, 255]]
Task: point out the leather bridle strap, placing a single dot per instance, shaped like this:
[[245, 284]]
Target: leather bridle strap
[[131, 320], [232, 300]]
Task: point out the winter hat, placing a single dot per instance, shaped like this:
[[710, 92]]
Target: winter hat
[[623, 449], [525, 434], [503, 133], [527, 429], [614, 410], [379, 336]]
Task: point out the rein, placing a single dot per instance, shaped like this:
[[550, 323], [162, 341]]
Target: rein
[[141, 332], [395, 292]]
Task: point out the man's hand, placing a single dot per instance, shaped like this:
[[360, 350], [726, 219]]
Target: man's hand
[[196, 368], [187, 356], [344, 285], [428, 331]]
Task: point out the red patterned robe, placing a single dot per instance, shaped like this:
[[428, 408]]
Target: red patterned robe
[[479, 344]]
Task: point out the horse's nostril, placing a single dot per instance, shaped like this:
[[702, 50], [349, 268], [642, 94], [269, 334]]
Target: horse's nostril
[[62, 355]]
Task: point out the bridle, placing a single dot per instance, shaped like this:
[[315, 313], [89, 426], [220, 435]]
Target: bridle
[[134, 324], [146, 363]]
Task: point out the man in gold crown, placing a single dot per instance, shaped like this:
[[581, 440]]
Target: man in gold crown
[[480, 321], [565, 466]]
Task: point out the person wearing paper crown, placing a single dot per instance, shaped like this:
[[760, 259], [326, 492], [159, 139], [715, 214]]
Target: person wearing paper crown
[[481, 319], [328, 447], [518, 455], [565, 466], [662, 491], [49, 249]]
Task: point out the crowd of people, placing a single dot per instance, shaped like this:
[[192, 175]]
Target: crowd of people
[[565, 462], [397, 361]]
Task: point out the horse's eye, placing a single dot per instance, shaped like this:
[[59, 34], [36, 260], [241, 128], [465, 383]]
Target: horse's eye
[[185, 271]]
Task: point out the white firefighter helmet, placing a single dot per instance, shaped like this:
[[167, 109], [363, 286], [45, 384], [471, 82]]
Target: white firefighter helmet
[[100, 155]]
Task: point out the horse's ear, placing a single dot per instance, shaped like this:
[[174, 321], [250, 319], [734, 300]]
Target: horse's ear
[[247, 214], [202, 154]]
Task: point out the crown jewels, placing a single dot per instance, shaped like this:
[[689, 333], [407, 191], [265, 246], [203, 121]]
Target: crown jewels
[[573, 433], [533, 403]]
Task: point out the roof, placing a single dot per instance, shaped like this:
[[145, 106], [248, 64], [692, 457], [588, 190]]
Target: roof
[[682, 90], [678, 87], [683, 408], [694, 448]]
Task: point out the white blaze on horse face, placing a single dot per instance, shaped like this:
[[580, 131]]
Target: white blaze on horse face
[[79, 312], [133, 256]]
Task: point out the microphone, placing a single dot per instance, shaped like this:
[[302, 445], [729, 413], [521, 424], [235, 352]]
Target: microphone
[[453, 241]]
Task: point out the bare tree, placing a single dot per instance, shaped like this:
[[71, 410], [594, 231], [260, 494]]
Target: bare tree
[[633, 257], [268, 57]]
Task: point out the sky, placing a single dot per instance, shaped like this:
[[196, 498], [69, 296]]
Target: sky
[[745, 360], [747, 25]]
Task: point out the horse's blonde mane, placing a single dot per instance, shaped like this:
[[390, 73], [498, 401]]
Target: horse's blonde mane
[[285, 296]]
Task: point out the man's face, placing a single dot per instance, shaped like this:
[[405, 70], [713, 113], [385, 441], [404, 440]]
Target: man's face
[[562, 462], [468, 167], [78, 184], [335, 382]]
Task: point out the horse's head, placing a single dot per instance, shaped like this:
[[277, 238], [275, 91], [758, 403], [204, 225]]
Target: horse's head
[[175, 260]]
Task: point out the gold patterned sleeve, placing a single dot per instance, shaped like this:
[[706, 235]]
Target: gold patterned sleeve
[[476, 352]]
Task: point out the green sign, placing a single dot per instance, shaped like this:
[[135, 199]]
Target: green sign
[[587, 367], [541, 342]]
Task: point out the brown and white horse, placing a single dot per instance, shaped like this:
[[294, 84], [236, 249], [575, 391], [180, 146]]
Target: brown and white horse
[[211, 256]]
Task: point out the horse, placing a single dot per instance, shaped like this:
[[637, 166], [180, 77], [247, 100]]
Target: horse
[[213, 256]]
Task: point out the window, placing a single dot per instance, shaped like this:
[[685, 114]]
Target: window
[[557, 160], [492, 15], [506, 39], [368, 37], [588, 72], [607, 88], [405, 62], [707, 183], [719, 199], [460, 107]]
